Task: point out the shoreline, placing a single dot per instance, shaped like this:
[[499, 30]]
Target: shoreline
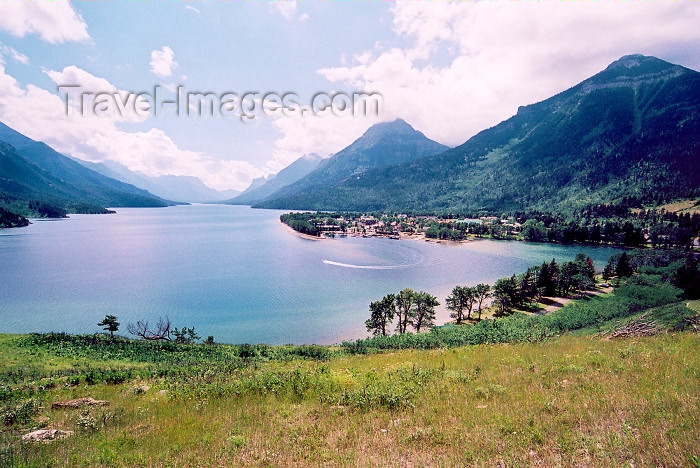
[[301, 234], [415, 238]]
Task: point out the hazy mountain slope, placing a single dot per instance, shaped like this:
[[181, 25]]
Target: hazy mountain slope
[[27, 189], [629, 131], [290, 174], [258, 182], [382, 145], [57, 176], [186, 189], [21, 178]]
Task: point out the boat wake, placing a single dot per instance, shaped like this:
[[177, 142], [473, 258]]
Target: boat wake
[[364, 267]]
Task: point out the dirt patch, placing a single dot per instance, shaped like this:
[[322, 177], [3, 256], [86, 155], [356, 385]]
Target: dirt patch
[[79, 402], [556, 303]]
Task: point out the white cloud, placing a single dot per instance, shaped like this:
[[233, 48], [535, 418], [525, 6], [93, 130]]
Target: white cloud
[[303, 17], [77, 82], [53, 22], [14, 55], [163, 62], [190, 7], [469, 65], [286, 8], [41, 115], [314, 134]]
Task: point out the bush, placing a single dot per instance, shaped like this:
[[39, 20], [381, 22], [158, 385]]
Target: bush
[[19, 413]]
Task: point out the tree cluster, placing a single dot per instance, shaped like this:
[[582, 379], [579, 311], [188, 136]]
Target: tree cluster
[[548, 280], [300, 223], [310, 223], [679, 267], [408, 307], [417, 310], [615, 224], [463, 300], [186, 335]]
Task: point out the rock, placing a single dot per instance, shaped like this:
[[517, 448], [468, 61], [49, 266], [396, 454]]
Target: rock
[[162, 392], [46, 435], [78, 402], [140, 389]]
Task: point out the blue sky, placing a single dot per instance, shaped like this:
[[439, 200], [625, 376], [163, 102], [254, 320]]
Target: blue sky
[[449, 68]]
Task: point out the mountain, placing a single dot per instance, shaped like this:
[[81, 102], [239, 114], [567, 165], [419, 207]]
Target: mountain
[[628, 131], [185, 189], [263, 188], [382, 145], [258, 182], [32, 173]]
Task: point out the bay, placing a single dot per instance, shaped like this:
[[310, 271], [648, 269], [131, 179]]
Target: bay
[[232, 272]]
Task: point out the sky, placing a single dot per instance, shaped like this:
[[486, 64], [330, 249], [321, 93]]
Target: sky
[[449, 68]]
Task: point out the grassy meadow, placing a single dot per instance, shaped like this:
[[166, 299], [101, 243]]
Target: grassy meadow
[[574, 400]]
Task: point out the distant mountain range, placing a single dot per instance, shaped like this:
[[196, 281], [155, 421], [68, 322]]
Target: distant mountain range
[[37, 180], [382, 145], [629, 131], [185, 189], [265, 187]]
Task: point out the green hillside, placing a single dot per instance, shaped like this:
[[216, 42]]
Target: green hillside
[[629, 131], [35, 180], [382, 145], [567, 402]]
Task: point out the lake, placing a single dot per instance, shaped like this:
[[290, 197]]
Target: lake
[[232, 272]]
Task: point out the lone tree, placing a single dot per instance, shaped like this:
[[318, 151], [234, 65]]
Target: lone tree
[[382, 313], [481, 293], [687, 277], [624, 267], [404, 303], [425, 311], [547, 278], [142, 330], [461, 302], [110, 324], [608, 271], [186, 335], [505, 294]]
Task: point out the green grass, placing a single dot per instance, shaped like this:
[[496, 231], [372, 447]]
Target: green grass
[[522, 390], [671, 316], [694, 305], [568, 401]]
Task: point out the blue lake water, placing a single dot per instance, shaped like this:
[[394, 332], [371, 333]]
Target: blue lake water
[[232, 272]]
